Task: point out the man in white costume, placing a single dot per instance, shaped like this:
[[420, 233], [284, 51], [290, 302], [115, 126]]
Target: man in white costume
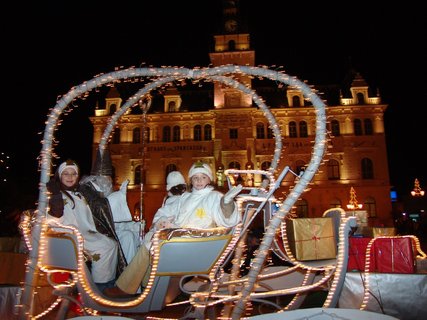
[[203, 207], [128, 231]]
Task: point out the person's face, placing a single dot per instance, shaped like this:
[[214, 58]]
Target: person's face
[[200, 180], [69, 177]]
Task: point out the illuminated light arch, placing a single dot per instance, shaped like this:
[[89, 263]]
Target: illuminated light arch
[[163, 76]]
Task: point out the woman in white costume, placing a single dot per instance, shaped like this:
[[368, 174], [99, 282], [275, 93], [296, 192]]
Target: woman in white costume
[[69, 205], [203, 207]]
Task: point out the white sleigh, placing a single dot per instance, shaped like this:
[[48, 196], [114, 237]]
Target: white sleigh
[[232, 291]]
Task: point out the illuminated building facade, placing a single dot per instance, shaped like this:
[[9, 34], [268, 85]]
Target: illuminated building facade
[[220, 125]]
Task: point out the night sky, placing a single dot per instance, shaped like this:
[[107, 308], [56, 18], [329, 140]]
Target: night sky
[[50, 47]]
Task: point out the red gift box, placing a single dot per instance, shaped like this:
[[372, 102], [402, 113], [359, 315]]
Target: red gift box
[[357, 253], [393, 255]]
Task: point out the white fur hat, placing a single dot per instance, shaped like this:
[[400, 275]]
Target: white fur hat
[[68, 164], [200, 167], [174, 178]]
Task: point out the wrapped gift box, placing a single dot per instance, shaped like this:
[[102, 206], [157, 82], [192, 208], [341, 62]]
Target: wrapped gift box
[[383, 231], [393, 255], [357, 253], [311, 238], [12, 268]]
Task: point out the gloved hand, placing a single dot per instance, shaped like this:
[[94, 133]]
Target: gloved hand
[[232, 193], [56, 205], [124, 186], [165, 223]]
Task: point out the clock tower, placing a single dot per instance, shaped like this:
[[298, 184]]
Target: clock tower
[[232, 47]]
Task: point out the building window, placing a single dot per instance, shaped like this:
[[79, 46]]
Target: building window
[[169, 168], [236, 177], [293, 129], [197, 133], [166, 134], [303, 129], [367, 169], [265, 165], [270, 134], [116, 136], [234, 133], [260, 131], [176, 134], [234, 165], [137, 178], [146, 137], [335, 128], [302, 208], [371, 207], [296, 102], [136, 135], [208, 132], [172, 106], [368, 127], [360, 98], [357, 127], [333, 170], [113, 109]]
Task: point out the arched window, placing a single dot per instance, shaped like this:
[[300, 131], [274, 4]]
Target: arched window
[[296, 102], [234, 165], [169, 168], [176, 134], [293, 129], [333, 169], [360, 98], [367, 169], [368, 127], [302, 208], [357, 127], [260, 132], [116, 136], [136, 135], [303, 133], [208, 132], [166, 134], [335, 128], [371, 207], [197, 133], [113, 109]]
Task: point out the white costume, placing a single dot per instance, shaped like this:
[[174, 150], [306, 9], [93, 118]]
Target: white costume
[[128, 231], [102, 249], [200, 209], [195, 209], [162, 218]]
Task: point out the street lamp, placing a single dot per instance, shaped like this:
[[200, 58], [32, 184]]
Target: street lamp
[[417, 191]]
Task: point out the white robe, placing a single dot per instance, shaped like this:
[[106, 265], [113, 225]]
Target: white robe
[[161, 215], [99, 247], [127, 230]]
